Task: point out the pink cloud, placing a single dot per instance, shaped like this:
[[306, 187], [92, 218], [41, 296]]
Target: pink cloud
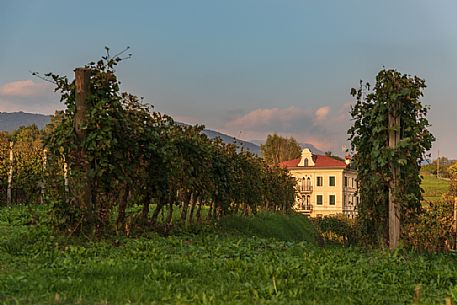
[[319, 142], [24, 88], [321, 113], [267, 116], [324, 127], [47, 107]]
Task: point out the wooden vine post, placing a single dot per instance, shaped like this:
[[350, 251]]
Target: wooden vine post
[[43, 178], [82, 82], [10, 176], [455, 223], [65, 179], [394, 209]]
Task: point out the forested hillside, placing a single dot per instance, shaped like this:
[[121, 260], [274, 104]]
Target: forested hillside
[[10, 121]]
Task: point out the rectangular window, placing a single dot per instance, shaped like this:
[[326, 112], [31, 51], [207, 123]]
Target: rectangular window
[[319, 199], [331, 199], [345, 181], [319, 181], [331, 181]]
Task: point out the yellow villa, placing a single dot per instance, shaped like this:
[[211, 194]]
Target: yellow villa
[[325, 186]]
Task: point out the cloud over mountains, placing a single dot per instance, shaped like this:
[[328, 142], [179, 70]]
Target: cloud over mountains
[[24, 88], [325, 127], [28, 96]]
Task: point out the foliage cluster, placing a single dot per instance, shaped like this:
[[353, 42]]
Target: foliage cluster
[[219, 267], [433, 229], [399, 96], [277, 149], [452, 170], [4, 164], [131, 154], [338, 228], [433, 167], [27, 166]]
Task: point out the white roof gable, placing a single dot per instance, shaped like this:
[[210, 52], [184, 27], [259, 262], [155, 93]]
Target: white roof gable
[[306, 158]]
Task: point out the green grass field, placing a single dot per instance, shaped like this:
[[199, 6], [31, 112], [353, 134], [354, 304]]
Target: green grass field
[[433, 187], [266, 259]]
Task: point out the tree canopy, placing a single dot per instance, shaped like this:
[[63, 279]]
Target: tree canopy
[[277, 149]]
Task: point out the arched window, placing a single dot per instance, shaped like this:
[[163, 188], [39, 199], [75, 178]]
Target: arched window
[[305, 162], [308, 183]]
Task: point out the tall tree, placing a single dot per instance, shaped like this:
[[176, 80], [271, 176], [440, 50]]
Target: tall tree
[[330, 154], [380, 167], [452, 170], [277, 149]]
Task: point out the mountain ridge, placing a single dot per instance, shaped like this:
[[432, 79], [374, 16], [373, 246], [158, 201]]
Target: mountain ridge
[[10, 121]]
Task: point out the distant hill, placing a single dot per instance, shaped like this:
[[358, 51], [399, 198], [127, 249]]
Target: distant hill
[[253, 148], [10, 121], [13, 120]]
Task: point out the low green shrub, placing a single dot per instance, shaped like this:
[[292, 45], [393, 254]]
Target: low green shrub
[[337, 228], [432, 231]]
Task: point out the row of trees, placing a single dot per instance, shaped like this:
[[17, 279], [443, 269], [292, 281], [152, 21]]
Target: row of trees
[[21, 162], [109, 151], [439, 167]]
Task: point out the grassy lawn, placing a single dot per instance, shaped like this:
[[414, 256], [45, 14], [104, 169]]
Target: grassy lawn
[[266, 259], [433, 187]]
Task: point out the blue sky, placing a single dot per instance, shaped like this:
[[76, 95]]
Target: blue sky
[[242, 67]]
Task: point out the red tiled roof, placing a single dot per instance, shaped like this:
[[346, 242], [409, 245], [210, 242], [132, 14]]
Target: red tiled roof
[[319, 161], [290, 163]]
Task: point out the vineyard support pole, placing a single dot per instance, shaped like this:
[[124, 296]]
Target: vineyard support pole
[[82, 82], [43, 180], [394, 209], [455, 223], [10, 176], [65, 179]]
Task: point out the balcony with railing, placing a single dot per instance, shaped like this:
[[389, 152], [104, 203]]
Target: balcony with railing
[[304, 188], [304, 208]]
